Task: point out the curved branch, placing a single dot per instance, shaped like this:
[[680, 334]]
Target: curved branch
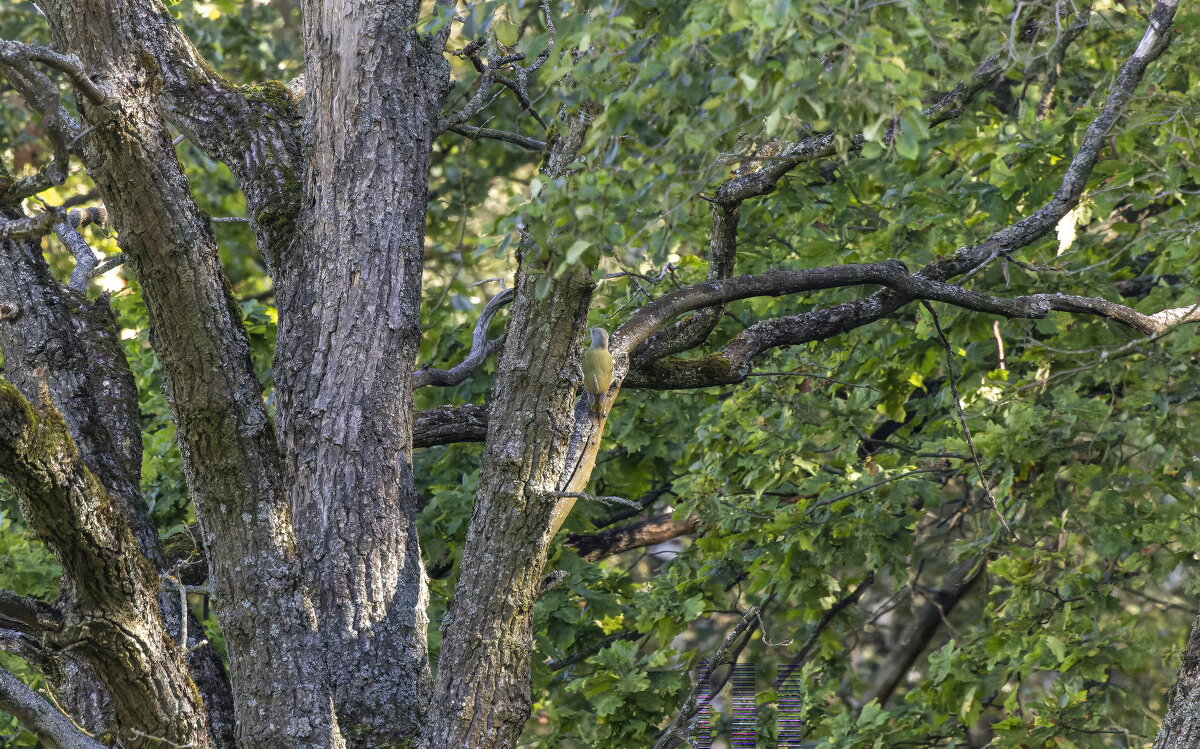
[[480, 348], [658, 313], [13, 52], [733, 364], [680, 728], [42, 94], [694, 330], [39, 717], [1026, 231]]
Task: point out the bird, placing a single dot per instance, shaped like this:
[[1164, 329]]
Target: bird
[[597, 368]]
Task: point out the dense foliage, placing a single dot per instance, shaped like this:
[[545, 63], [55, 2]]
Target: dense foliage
[[837, 488]]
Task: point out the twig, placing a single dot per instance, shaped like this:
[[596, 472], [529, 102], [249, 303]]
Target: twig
[[604, 499], [939, 468], [962, 420], [681, 727], [524, 141], [108, 264]]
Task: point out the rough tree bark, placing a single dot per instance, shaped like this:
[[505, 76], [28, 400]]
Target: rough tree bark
[[230, 454], [309, 528], [481, 695], [349, 328]]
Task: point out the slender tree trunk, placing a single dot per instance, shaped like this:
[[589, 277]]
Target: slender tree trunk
[[481, 697]]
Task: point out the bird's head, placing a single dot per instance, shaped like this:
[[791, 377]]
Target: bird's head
[[599, 338]]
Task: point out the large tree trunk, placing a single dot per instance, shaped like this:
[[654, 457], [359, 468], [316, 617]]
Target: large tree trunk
[[349, 328]]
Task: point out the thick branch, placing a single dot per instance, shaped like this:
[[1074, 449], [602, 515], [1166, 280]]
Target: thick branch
[[446, 424], [253, 129], [596, 546], [114, 589], [27, 614], [926, 621], [226, 438], [1154, 41], [482, 699], [41, 224], [733, 364], [39, 717]]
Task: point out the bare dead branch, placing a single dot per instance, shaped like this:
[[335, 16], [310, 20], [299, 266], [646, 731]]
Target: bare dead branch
[[678, 731], [524, 141], [14, 52], [85, 258], [490, 75], [483, 89], [480, 348], [601, 498], [104, 266], [656, 530], [42, 94]]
